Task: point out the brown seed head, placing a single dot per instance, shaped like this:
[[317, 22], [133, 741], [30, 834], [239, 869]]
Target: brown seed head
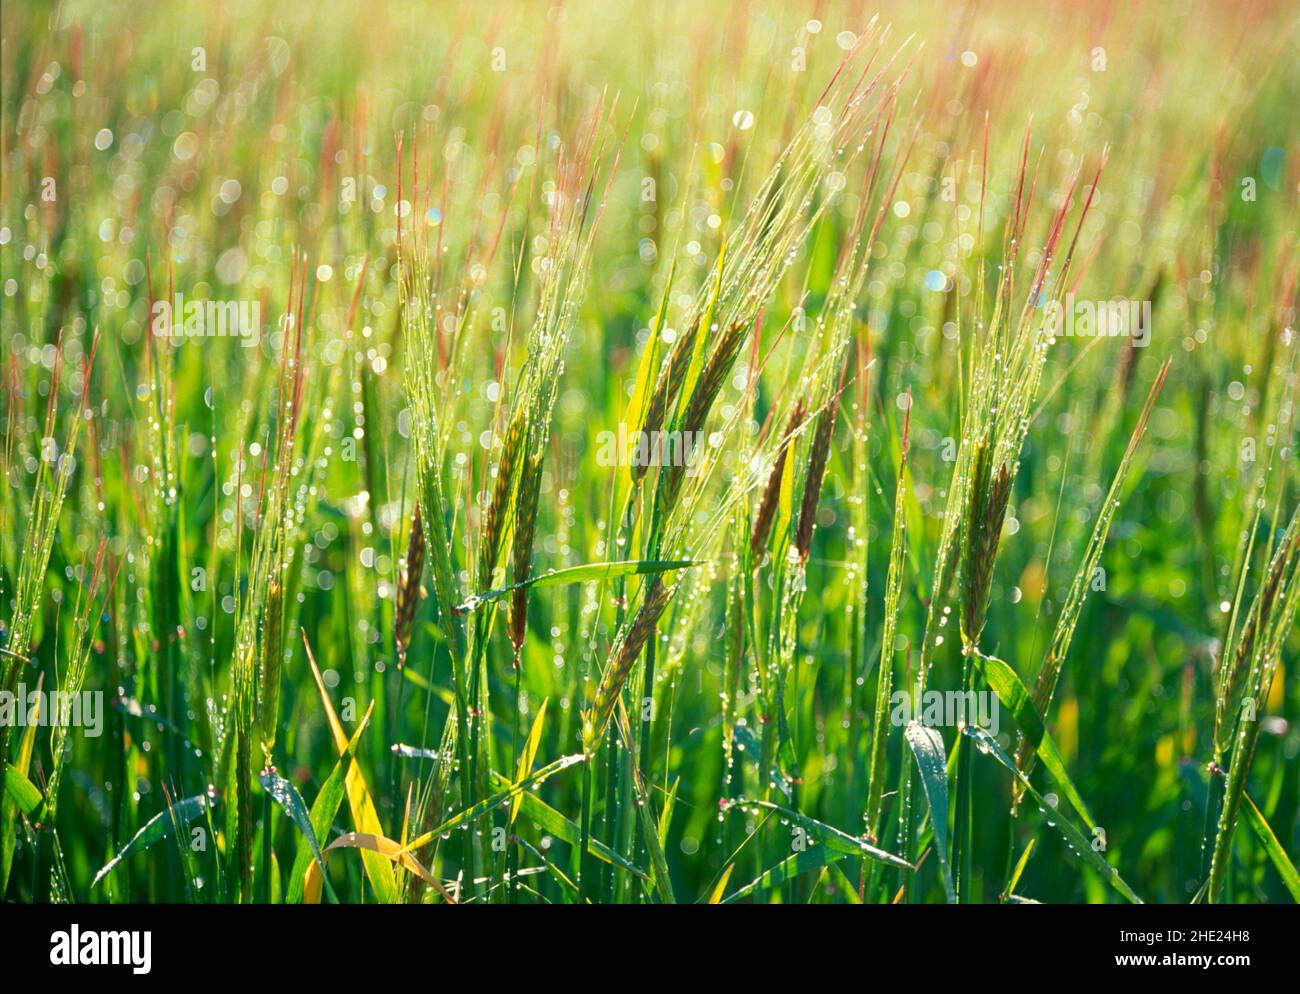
[[621, 662], [522, 554], [408, 595]]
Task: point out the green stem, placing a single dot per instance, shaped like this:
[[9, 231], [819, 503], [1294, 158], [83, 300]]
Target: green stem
[[585, 867]]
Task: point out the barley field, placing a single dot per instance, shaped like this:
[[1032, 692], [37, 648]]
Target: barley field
[[620, 452]]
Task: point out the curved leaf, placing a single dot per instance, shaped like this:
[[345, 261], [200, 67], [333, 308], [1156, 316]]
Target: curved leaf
[[580, 574], [23, 792], [553, 823], [286, 795], [323, 812], [391, 850], [1014, 696], [835, 839], [496, 800], [159, 827], [792, 866], [364, 815], [1281, 861], [1074, 838]]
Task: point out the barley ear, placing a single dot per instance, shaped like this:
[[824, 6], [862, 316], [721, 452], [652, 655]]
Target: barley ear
[[622, 658], [410, 593]]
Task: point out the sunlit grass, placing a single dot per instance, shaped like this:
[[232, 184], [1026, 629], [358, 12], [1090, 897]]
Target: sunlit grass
[[378, 614]]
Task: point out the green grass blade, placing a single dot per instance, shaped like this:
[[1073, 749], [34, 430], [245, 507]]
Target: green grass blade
[[482, 807], [1014, 696], [22, 791], [927, 747], [323, 812], [286, 795], [834, 838], [1074, 838], [158, 828], [553, 823], [1019, 871], [579, 574], [1281, 861], [792, 866]]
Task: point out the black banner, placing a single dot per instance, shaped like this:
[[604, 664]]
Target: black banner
[[147, 943]]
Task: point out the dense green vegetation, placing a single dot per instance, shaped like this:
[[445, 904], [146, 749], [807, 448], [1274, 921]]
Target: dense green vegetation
[[364, 571]]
